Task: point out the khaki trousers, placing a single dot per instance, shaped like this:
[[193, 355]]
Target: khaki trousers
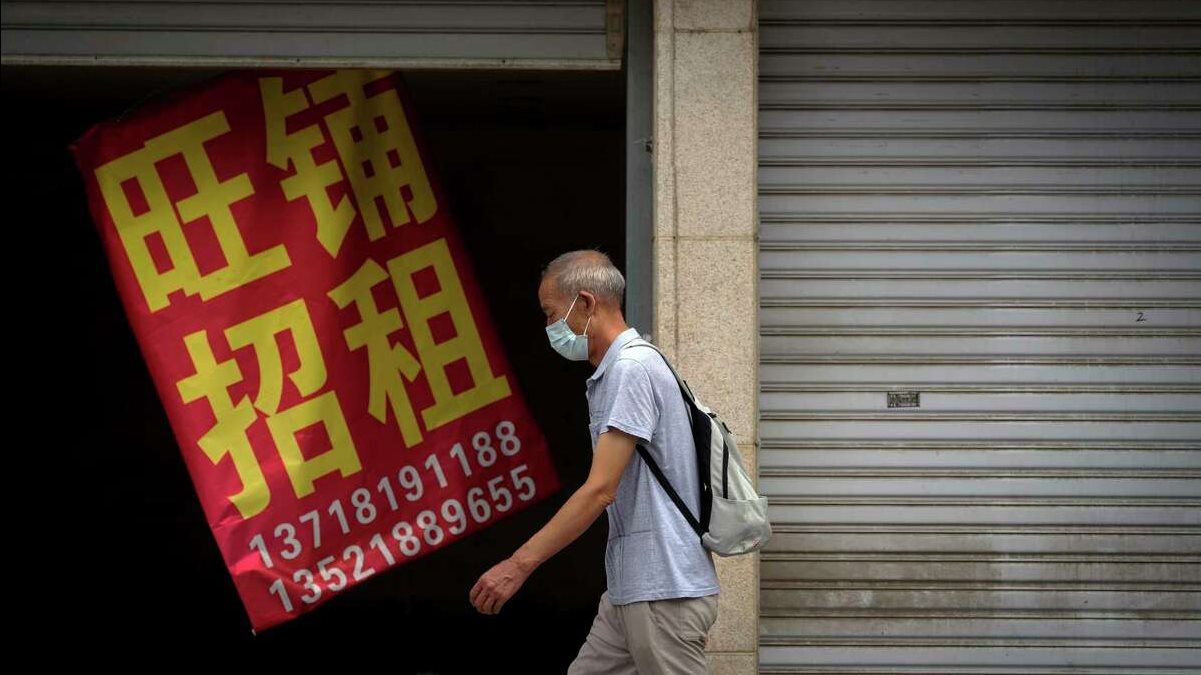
[[649, 637]]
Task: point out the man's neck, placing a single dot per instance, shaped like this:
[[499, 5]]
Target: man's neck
[[600, 341]]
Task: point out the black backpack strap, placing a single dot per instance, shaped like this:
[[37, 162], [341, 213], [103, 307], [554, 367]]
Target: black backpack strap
[[671, 492], [695, 418]]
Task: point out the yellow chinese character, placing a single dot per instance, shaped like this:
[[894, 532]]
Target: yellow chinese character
[[386, 363], [341, 457], [310, 179], [260, 333], [212, 199], [377, 149], [228, 437], [466, 345]]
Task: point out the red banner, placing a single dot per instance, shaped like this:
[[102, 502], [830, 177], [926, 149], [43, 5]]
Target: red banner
[[300, 293]]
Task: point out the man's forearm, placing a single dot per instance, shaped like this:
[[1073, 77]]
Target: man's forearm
[[573, 518]]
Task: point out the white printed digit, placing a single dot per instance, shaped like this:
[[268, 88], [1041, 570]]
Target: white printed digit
[[456, 516], [308, 584], [386, 488], [257, 543], [315, 517], [357, 554], [480, 510], [364, 510], [496, 491], [331, 572], [432, 463], [485, 454], [430, 530], [409, 544], [289, 535], [335, 509], [457, 451], [413, 480], [510, 444], [518, 481], [377, 543], [277, 588]]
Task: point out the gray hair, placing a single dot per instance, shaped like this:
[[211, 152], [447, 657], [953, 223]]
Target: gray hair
[[586, 270]]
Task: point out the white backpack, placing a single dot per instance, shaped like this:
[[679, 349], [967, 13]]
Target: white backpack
[[733, 518]]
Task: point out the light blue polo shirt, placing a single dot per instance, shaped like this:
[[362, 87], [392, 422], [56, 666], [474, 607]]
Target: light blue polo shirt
[[652, 552]]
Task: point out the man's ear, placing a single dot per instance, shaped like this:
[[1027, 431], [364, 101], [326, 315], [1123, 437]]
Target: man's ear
[[589, 301]]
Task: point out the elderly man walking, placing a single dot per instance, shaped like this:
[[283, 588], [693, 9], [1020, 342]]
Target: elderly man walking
[[661, 592]]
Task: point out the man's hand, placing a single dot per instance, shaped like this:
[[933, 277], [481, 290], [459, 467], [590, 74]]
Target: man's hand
[[497, 585]]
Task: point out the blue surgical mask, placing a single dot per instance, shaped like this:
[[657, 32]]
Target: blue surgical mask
[[569, 345]]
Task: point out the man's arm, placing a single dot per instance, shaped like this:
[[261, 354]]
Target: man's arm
[[613, 451], [614, 448]]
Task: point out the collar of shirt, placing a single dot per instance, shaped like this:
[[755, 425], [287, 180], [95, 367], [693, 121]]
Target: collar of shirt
[[611, 354]]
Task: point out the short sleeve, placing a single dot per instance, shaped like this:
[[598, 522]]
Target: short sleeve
[[634, 410]]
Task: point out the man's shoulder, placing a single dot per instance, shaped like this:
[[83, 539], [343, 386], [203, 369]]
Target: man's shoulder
[[637, 355], [644, 358]]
